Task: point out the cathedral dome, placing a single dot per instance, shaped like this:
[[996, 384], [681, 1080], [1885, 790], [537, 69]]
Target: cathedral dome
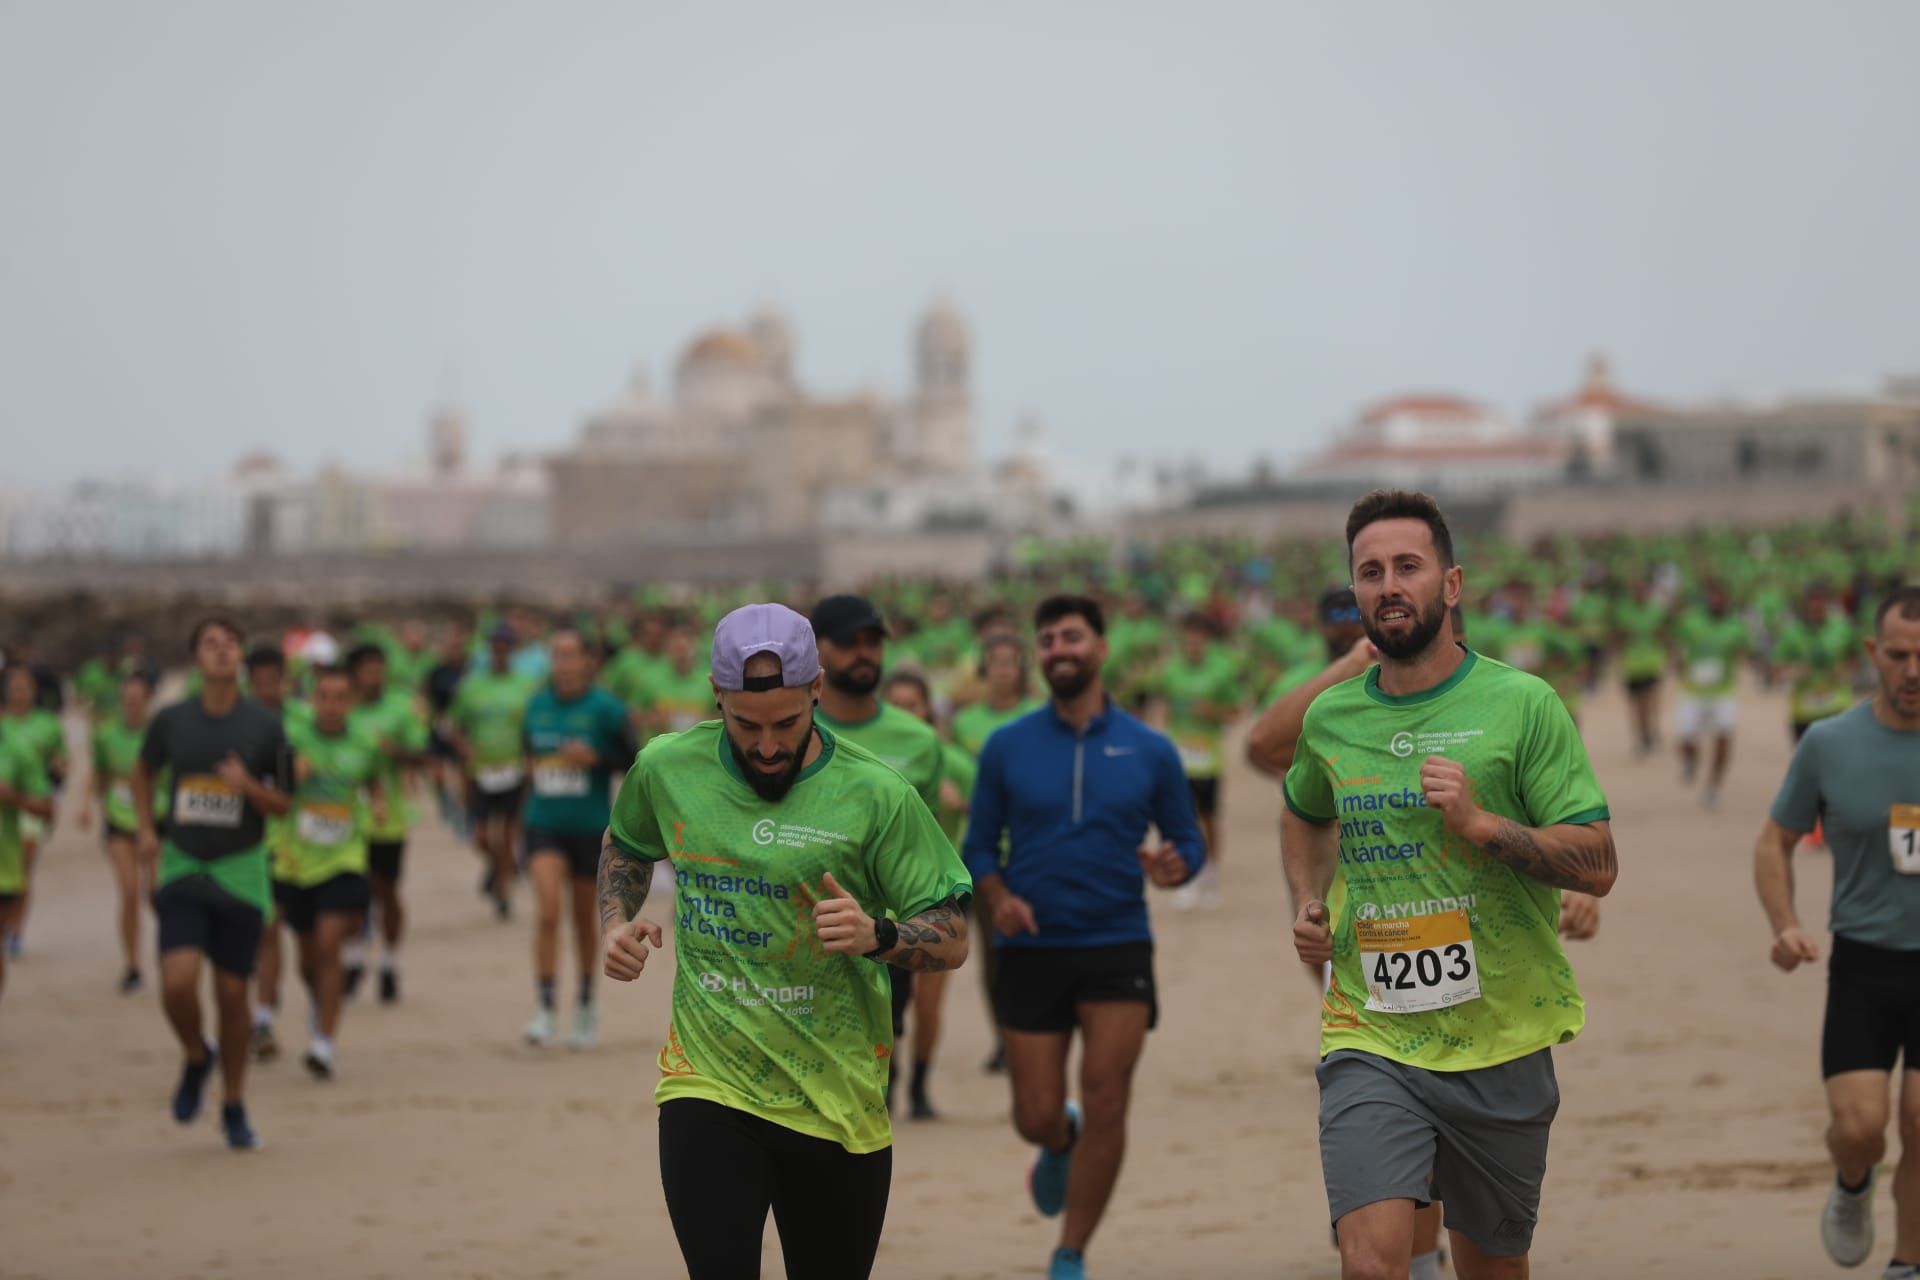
[[721, 347]]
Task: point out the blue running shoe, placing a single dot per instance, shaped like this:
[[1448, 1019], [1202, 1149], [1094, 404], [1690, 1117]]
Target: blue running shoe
[[193, 1086], [240, 1134], [1047, 1180], [1067, 1264]]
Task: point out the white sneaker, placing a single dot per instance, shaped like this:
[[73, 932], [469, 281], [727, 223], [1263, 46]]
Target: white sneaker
[[542, 1028], [586, 1028], [1710, 798], [1846, 1226], [1187, 896]]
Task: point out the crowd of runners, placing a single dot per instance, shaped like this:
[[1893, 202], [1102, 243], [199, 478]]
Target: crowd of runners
[[829, 807]]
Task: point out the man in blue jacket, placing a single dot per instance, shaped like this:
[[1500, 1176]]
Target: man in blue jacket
[[1072, 789]]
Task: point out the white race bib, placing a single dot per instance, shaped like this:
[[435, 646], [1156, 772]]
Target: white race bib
[[1707, 671], [120, 794], [555, 776], [1903, 838], [500, 777], [204, 801], [324, 824], [1418, 964]]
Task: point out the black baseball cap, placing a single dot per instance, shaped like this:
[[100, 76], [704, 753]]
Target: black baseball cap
[[840, 619]]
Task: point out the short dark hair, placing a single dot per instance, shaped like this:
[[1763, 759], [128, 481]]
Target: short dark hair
[[1002, 640], [1054, 608], [907, 675], [1401, 504], [363, 653], [266, 655], [210, 622], [330, 671], [1905, 599], [141, 678]]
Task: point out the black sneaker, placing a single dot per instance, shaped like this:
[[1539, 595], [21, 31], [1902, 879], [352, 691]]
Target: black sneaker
[[389, 986], [502, 909], [998, 1062], [193, 1086], [265, 1048], [923, 1109], [130, 983], [350, 985], [240, 1134]]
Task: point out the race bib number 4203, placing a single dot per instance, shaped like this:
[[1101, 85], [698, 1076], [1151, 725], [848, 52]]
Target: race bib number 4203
[[1418, 963]]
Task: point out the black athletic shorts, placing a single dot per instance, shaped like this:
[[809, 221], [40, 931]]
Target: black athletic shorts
[[8, 899], [1873, 1009], [195, 912], [723, 1169], [384, 858], [900, 990], [1640, 684], [1041, 988], [1206, 795], [582, 849], [484, 806], [347, 894]]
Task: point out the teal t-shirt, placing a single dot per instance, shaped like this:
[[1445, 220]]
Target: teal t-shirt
[[765, 1020], [1860, 781], [1444, 957], [568, 797]]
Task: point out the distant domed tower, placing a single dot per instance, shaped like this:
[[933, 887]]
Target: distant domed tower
[[943, 407], [447, 442], [772, 333]]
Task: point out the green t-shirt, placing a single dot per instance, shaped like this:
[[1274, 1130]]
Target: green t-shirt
[[959, 768], [398, 721], [21, 771], [326, 832], [1214, 680], [764, 1019], [1410, 881], [902, 740], [973, 725], [490, 711], [677, 700], [567, 797], [1641, 626], [1821, 657], [116, 749], [41, 733], [1292, 678], [1710, 652], [631, 674], [98, 686]]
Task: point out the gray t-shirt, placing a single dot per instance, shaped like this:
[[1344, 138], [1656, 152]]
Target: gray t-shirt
[[1861, 780]]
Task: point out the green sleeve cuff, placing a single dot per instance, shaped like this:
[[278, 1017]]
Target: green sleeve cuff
[[1316, 819], [635, 852], [1583, 818]]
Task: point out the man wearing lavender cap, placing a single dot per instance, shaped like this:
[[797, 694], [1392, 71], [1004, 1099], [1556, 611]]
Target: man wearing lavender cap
[[783, 839]]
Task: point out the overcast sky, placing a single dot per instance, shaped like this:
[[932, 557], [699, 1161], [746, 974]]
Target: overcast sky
[[1177, 230]]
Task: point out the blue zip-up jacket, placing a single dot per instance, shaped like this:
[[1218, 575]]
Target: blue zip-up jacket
[[1075, 808]]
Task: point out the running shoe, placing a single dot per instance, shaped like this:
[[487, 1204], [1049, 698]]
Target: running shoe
[[319, 1060], [541, 1028], [1047, 1179], [997, 1063], [240, 1134], [586, 1028], [265, 1048], [389, 986], [1710, 798], [1900, 1271], [921, 1108], [350, 984], [193, 1086], [130, 983], [1846, 1225], [502, 909], [16, 947], [1067, 1264]]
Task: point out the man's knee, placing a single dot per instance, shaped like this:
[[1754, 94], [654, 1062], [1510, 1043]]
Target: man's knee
[[1860, 1128], [1037, 1120]]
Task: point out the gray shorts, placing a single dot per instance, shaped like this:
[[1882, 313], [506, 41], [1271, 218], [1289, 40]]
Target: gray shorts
[[1475, 1140]]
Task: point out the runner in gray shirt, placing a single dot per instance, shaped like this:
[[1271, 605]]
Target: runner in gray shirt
[[1858, 775]]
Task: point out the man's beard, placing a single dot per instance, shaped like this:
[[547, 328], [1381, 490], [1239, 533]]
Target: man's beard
[[772, 787], [1072, 682], [860, 679], [1409, 643]]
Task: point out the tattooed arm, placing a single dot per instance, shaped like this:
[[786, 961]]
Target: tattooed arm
[[624, 882], [1576, 858], [933, 941]]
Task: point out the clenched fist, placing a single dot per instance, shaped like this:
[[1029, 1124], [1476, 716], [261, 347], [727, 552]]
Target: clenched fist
[[626, 949]]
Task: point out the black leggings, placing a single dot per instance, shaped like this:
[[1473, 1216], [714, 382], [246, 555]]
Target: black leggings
[[723, 1169]]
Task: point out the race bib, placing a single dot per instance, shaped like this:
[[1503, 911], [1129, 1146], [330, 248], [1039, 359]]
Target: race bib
[[681, 721], [120, 794], [1418, 964], [1903, 836], [202, 800], [499, 777], [1196, 755], [559, 777], [1706, 671], [324, 824]]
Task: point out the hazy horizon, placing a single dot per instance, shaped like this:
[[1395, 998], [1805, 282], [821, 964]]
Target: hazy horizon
[[1209, 232]]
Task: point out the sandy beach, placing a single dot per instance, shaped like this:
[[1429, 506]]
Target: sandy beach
[[1688, 1142]]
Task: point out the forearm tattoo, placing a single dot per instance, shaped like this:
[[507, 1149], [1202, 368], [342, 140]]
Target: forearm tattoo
[[624, 883], [923, 938], [1581, 860]]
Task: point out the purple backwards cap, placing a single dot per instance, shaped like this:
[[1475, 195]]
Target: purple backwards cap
[[764, 628]]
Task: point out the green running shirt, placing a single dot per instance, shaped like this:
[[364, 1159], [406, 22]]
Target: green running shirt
[[326, 833], [764, 1020], [396, 720], [904, 741], [1406, 876], [21, 770]]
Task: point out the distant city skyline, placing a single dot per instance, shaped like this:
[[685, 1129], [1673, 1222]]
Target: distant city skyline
[[1207, 232]]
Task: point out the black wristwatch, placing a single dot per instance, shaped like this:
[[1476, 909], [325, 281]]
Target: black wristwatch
[[886, 936]]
